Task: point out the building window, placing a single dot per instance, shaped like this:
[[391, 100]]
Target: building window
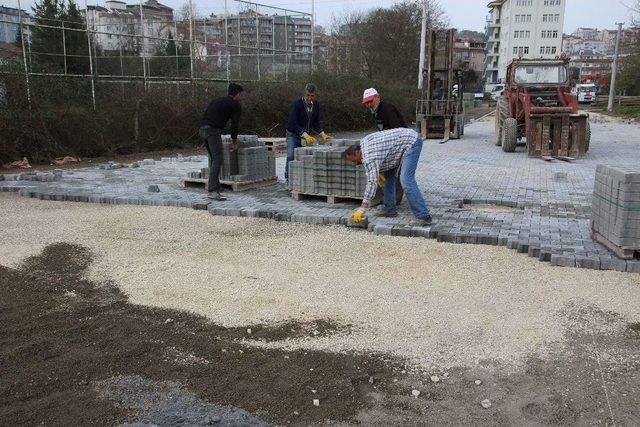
[[526, 50], [555, 34], [515, 34], [541, 50], [553, 49], [544, 34], [517, 18], [544, 17], [515, 50]]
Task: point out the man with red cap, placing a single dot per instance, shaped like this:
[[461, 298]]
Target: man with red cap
[[385, 113]]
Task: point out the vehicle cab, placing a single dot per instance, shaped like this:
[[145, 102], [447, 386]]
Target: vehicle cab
[[585, 92]]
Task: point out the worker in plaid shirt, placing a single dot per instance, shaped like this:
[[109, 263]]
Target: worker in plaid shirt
[[382, 153]]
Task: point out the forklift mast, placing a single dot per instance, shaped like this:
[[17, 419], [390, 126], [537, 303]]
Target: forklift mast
[[439, 114]]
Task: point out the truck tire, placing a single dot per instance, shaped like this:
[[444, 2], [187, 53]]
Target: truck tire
[[509, 135], [587, 137]]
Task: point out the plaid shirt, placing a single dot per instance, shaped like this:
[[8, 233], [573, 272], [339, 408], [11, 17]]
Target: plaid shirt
[[382, 151]]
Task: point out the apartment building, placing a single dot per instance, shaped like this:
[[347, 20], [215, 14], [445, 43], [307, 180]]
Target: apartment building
[[521, 29], [116, 20], [10, 24]]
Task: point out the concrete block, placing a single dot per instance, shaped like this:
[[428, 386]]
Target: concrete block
[[610, 263], [633, 266], [563, 260]]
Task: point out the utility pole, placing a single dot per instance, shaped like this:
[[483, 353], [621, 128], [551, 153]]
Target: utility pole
[[313, 22], [614, 68], [423, 36]]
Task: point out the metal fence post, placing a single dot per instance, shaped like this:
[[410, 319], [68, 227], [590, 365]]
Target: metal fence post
[[93, 81], [24, 55]]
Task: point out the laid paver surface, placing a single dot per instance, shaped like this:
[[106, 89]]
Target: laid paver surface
[[477, 194]]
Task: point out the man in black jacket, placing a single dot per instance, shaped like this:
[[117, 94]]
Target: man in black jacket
[[385, 113], [215, 118]]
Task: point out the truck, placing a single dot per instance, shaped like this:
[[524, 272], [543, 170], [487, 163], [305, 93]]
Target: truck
[[537, 105], [586, 93]]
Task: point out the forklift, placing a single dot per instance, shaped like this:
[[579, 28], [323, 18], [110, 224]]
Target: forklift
[[440, 112]]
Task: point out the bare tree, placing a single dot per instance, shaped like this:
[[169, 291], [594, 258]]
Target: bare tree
[[383, 43]]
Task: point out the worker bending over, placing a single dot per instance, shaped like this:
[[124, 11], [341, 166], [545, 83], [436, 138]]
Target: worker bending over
[[385, 113], [304, 120], [384, 152]]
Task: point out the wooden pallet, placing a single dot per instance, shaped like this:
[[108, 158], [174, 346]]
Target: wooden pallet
[[332, 200], [235, 186], [621, 252]]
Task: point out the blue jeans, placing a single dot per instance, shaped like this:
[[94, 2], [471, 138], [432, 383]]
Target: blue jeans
[[408, 181], [293, 141]]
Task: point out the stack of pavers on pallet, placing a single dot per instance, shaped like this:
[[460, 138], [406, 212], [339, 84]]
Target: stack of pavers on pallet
[[251, 162], [616, 208], [322, 170]]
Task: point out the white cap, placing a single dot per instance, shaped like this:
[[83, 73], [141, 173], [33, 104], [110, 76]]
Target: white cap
[[368, 95]]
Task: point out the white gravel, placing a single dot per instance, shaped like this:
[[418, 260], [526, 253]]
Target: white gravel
[[439, 305]]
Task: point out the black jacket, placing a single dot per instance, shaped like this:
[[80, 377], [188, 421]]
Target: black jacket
[[301, 121], [220, 111], [388, 117]]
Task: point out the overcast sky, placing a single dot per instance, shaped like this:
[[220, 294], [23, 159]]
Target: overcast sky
[[463, 14]]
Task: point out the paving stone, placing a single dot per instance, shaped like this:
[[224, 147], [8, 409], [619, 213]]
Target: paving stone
[[549, 217], [563, 260], [607, 263], [633, 266]]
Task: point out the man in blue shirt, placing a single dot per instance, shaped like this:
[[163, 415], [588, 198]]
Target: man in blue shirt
[[304, 120]]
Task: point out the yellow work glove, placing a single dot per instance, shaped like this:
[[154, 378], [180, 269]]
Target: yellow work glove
[[381, 179], [308, 138], [325, 137], [357, 215]]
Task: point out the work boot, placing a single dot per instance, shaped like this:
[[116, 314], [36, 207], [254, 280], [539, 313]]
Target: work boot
[[387, 214], [421, 222], [216, 195]]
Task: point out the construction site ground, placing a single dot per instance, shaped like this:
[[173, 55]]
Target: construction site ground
[[169, 316]]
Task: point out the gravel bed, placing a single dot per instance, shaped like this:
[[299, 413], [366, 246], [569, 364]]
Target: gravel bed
[[437, 304]]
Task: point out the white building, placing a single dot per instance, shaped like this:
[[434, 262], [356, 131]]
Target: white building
[[521, 28], [116, 24]]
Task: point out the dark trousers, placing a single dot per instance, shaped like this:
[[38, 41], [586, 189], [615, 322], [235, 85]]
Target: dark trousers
[[212, 139]]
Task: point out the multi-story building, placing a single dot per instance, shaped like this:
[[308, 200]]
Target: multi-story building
[[302, 35], [521, 29], [117, 20], [10, 24]]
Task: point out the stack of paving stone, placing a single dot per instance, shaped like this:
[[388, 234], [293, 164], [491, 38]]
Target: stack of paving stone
[[252, 161], [323, 170], [616, 205]]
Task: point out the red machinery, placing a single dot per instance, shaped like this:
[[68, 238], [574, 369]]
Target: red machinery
[[537, 104]]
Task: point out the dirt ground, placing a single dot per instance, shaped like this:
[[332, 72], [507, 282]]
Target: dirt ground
[[74, 349]]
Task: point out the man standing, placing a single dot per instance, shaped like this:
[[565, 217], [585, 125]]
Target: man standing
[[384, 152], [304, 120], [215, 118], [385, 113]]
